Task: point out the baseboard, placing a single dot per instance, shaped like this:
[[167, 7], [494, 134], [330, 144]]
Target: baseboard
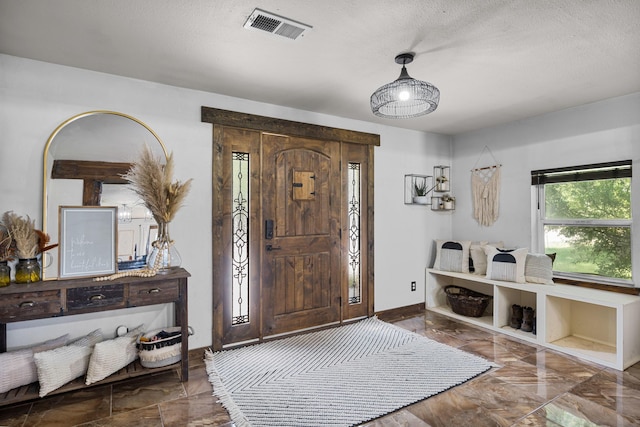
[[401, 312]]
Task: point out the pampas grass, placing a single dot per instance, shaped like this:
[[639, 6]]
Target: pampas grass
[[152, 181], [24, 235], [6, 244]]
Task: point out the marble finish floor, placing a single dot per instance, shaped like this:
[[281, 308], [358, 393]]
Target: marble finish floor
[[532, 386]]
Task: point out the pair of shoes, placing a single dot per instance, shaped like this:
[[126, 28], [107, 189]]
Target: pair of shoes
[[527, 319], [523, 318]]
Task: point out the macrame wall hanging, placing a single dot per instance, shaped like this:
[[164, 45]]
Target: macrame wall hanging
[[485, 190]]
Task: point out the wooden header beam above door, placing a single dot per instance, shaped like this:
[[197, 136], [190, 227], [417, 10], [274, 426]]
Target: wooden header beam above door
[[286, 127]]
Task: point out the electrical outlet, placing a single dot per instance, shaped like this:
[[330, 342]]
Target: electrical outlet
[[413, 286]]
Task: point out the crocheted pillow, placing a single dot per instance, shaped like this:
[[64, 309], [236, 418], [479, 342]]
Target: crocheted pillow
[[506, 264], [63, 364], [452, 255], [17, 366], [112, 355], [538, 268]]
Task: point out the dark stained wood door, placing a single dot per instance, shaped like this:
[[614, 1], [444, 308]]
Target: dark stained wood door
[[315, 184], [301, 252]]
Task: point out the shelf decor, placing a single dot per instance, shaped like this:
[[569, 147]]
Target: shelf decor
[[442, 178], [152, 179], [417, 189]]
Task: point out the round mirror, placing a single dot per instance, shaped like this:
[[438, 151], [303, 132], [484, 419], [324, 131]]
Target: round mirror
[[84, 160]]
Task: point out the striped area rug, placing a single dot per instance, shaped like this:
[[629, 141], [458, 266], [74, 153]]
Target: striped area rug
[[335, 377]]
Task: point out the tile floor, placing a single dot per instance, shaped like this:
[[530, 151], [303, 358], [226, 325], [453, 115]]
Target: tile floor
[[532, 386]]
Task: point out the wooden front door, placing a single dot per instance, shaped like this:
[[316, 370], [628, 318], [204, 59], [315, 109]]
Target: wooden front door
[[292, 226], [301, 244]]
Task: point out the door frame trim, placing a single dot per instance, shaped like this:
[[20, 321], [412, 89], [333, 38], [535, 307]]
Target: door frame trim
[[225, 118], [286, 127]]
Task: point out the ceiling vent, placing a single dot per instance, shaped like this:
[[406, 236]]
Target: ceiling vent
[[274, 24]]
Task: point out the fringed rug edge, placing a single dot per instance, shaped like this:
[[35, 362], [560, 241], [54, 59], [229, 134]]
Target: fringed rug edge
[[219, 390]]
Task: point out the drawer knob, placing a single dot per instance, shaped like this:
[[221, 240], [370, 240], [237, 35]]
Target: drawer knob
[[154, 291], [97, 297], [27, 304]]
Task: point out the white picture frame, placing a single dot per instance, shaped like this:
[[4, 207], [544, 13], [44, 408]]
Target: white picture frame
[[88, 241]]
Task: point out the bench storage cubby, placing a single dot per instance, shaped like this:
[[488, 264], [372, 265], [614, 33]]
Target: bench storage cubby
[[596, 325]]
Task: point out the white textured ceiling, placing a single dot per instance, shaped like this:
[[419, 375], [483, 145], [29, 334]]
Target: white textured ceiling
[[494, 61]]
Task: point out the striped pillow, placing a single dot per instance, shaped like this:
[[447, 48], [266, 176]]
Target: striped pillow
[[452, 255], [538, 268], [506, 264]]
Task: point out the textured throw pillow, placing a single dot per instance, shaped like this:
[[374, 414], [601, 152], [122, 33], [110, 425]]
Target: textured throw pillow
[[59, 366], [17, 367], [506, 264], [478, 257], [538, 268], [111, 355], [452, 255]]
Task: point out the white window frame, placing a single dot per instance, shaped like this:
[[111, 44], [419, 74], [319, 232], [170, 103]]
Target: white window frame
[[537, 236]]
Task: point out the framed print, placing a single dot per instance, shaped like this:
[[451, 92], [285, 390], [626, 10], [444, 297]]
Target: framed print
[[87, 241]]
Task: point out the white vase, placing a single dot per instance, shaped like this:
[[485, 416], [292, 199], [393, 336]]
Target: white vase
[[421, 200]]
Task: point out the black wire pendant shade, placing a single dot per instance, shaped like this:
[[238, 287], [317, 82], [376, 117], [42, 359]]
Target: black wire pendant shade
[[405, 97]]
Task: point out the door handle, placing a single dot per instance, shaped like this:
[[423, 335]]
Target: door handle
[[273, 248]]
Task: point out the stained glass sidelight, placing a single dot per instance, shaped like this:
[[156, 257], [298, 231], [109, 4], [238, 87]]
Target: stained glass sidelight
[[240, 239], [355, 284]]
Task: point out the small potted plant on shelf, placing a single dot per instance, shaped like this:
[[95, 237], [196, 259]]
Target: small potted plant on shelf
[[447, 201], [420, 191], [442, 183]]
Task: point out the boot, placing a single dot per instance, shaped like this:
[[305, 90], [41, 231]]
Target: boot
[[535, 322], [516, 316], [527, 319]]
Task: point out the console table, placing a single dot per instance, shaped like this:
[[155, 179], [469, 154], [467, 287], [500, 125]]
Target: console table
[[42, 300]]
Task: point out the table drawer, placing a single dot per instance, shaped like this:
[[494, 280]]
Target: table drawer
[[153, 293], [95, 298], [30, 305]]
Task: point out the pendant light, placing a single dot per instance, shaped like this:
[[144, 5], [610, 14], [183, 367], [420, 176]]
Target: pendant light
[[406, 97]]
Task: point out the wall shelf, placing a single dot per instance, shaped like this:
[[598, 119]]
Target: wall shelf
[[412, 183], [431, 190]]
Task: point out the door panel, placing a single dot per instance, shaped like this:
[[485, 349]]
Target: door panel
[[236, 317], [301, 263]]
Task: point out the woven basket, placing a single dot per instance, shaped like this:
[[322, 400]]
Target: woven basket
[[162, 352], [467, 302]]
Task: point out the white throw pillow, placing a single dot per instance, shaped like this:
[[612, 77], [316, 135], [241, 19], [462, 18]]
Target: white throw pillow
[[452, 255], [112, 355], [506, 264], [538, 268], [478, 257], [63, 364], [17, 367]]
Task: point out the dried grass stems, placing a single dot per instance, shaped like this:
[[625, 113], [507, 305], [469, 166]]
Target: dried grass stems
[[7, 248], [152, 181], [23, 233]]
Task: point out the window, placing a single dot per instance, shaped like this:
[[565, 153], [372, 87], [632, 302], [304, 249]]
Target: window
[[583, 214]]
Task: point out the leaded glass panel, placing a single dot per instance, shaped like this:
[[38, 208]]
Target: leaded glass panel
[[354, 254], [240, 239]]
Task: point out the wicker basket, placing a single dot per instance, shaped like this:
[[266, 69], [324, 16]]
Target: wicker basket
[[467, 302], [162, 352]]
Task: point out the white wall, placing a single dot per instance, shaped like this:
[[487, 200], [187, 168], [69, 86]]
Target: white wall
[[600, 132], [35, 97]]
